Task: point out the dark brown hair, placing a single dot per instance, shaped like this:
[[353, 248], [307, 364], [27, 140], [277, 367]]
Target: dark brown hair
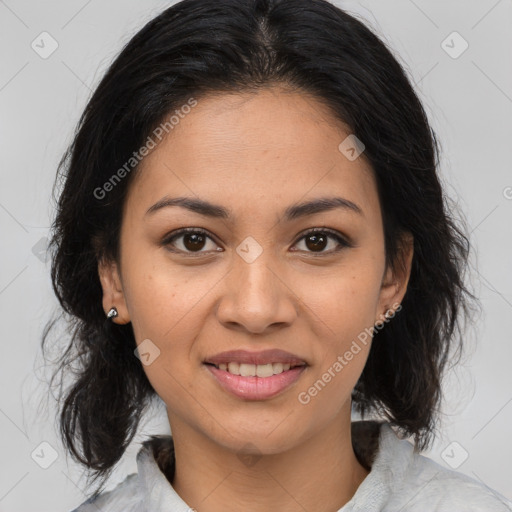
[[197, 47]]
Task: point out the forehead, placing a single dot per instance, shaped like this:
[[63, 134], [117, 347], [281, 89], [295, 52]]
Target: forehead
[[266, 147]]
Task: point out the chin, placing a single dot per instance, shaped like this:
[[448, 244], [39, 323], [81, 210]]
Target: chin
[[258, 441]]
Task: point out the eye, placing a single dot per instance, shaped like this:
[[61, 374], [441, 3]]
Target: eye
[[190, 240], [194, 240], [317, 239]]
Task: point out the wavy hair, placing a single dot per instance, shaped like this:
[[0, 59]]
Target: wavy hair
[[200, 47]]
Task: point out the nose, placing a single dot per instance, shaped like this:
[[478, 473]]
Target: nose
[[257, 297]]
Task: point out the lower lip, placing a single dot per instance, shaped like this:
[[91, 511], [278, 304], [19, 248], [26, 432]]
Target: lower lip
[[256, 388]]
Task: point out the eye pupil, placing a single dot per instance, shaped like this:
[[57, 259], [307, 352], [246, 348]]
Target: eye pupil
[[317, 242], [193, 241]]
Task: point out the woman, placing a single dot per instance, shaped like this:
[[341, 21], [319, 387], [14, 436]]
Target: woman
[[252, 229]]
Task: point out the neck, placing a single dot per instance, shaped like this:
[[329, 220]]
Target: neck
[[322, 473]]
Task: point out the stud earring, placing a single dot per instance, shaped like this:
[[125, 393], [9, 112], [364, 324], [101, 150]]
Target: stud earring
[[112, 313]]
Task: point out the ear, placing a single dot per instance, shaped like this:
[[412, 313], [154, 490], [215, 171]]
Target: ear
[[113, 295], [394, 282]]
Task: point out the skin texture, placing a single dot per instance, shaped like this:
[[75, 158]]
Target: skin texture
[[255, 154]]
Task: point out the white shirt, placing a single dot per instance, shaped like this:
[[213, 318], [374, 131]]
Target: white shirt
[[399, 480]]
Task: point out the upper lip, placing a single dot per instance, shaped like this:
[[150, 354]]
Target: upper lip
[[262, 357]]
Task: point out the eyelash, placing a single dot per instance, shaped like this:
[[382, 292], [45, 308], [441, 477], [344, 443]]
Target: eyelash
[[343, 243]]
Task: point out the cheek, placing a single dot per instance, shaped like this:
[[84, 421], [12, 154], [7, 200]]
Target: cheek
[[346, 300], [162, 297], [344, 340], [346, 307], [167, 306]]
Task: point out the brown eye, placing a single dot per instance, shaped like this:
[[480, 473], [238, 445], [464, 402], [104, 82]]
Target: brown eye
[[194, 241], [189, 241], [317, 240]]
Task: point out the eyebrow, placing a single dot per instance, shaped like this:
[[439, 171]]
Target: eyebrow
[[293, 212]]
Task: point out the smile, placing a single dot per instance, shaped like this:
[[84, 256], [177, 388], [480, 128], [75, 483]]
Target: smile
[[256, 370], [253, 386]]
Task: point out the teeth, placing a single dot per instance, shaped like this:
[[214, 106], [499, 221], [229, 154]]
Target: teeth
[[248, 370], [234, 368], [277, 368], [264, 370], [253, 370]]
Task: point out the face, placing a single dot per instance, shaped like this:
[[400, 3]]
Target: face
[[258, 274]]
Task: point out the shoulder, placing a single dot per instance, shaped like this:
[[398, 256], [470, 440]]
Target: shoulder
[[148, 489], [123, 498], [414, 482], [427, 482]]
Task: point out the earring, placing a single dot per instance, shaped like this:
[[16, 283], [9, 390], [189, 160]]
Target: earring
[[112, 313], [389, 313]]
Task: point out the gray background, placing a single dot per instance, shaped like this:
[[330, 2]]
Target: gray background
[[469, 101]]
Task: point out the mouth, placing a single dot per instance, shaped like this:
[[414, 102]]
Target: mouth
[[255, 370], [255, 375]]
